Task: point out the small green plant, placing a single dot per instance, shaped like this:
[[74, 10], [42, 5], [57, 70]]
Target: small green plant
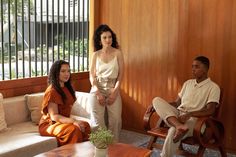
[[101, 138]]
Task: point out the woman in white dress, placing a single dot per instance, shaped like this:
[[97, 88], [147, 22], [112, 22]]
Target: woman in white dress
[[106, 72]]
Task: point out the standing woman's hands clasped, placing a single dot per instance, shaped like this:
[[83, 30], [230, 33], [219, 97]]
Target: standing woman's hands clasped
[[109, 100], [101, 99], [112, 96]]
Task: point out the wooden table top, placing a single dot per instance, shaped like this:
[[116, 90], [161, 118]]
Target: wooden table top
[[86, 149]]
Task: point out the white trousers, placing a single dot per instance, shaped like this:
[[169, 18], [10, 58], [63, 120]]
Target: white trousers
[[165, 110], [113, 112]]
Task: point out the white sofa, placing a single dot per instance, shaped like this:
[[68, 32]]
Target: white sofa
[[21, 137]]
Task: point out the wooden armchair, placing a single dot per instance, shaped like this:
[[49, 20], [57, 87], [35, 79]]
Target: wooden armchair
[[212, 137]]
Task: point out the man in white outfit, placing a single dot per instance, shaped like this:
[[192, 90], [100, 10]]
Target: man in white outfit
[[198, 97]]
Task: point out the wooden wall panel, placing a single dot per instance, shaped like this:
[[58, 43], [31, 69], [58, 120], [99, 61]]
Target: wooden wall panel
[[18, 87], [160, 38]]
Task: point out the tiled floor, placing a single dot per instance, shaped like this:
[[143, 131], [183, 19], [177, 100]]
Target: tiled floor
[[133, 138], [141, 140]]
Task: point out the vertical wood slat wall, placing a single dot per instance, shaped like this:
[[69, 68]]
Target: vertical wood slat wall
[[159, 39]]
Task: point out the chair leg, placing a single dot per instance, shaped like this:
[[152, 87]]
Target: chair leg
[[222, 151], [152, 140], [201, 151], [181, 146]]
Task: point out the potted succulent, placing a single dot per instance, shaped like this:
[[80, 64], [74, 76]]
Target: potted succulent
[[101, 138]]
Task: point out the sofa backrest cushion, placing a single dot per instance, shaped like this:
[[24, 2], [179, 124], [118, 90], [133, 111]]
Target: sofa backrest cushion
[[3, 124], [80, 108], [28, 107], [16, 110], [34, 102], [82, 105]]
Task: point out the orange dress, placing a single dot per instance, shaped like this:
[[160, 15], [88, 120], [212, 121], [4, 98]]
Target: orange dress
[[65, 133]]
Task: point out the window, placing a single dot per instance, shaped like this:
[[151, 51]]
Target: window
[[35, 33]]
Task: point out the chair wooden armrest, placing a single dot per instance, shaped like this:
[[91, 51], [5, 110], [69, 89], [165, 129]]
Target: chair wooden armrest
[[213, 134], [147, 117], [198, 127]]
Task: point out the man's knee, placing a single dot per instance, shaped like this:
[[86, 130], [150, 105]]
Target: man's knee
[[158, 102]]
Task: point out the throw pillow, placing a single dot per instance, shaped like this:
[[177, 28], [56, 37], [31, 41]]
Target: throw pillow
[[82, 105], [3, 124], [34, 102]]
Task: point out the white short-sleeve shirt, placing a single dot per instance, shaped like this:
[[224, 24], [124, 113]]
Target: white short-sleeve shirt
[[194, 96]]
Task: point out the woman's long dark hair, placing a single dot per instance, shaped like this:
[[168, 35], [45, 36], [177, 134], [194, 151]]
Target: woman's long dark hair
[[53, 79], [97, 37]]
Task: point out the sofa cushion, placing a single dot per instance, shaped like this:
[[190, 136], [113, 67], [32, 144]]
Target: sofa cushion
[[82, 105], [16, 110], [23, 140], [3, 124], [34, 102], [80, 108]]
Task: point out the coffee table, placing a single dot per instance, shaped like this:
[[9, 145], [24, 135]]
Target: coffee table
[[86, 149]]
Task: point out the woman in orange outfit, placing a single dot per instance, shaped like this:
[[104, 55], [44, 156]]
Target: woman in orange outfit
[[56, 108]]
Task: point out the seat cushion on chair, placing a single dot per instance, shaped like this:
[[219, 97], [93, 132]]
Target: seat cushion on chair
[[160, 132]]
